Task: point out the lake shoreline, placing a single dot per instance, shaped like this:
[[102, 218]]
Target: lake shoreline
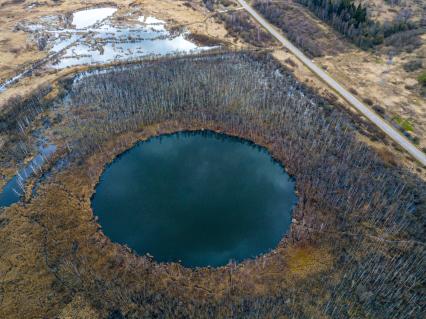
[[107, 157]]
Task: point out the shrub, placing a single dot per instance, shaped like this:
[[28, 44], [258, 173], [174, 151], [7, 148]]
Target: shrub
[[412, 66], [405, 124], [379, 109], [353, 91], [368, 101], [241, 24], [422, 78]]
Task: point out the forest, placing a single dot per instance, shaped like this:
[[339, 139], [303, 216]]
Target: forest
[[239, 23], [349, 19], [16, 117], [364, 212], [301, 29]]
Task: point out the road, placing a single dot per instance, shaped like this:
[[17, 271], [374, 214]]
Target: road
[[351, 99]]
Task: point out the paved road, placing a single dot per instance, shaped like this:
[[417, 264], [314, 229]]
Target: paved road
[[366, 111]]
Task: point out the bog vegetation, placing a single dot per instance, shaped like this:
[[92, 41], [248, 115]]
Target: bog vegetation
[[367, 214]]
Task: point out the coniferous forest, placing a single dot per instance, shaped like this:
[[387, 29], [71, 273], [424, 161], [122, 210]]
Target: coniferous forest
[[346, 17]]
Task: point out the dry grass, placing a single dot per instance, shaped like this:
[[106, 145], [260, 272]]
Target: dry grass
[[387, 85], [36, 251], [381, 10], [306, 261]]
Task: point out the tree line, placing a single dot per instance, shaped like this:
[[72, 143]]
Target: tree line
[[16, 119], [348, 18]]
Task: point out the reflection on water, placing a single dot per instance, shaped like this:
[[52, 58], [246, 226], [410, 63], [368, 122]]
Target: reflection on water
[[86, 18], [111, 51], [97, 38], [110, 41], [202, 198]]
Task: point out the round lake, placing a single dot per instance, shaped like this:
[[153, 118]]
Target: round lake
[[199, 197]]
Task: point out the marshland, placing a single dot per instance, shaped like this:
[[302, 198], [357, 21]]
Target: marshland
[[355, 241]]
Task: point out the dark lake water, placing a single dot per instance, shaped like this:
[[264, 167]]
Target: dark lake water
[[202, 198]]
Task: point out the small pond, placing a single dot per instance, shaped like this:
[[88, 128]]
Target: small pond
[[201, 198], [88, 17]]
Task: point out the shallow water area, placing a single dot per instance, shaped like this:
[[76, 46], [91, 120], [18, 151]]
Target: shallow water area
[[126, 45], [14, 189], [111, 41], [96, 36], [86, 18], [201, 198]]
